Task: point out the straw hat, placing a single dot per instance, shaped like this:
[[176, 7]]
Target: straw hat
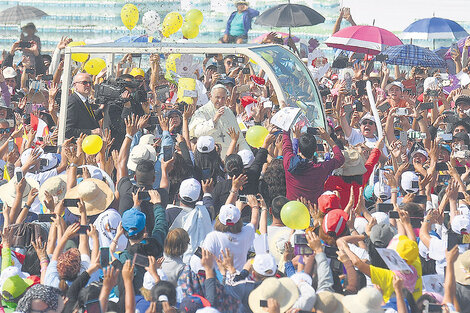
[[462, 268], [95, 193], [8, 190], [353, 163], [367, 300], [56, 186], [283, 290], [330, 302]]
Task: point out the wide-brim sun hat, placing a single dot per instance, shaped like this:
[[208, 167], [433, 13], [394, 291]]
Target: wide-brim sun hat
[[330, 302], [95, 193], [284, 290], [8, 191], [462, 268], [354, 163], [367, 300], [56, 186]]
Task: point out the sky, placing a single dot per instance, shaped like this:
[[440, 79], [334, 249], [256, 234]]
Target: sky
[[396, 15]]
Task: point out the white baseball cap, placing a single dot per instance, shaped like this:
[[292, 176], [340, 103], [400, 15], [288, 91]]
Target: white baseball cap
[[26, 153], [367, 116], [148, 139], [247, 157], [460, 223], [422, 151], [265, 264], [407, 179], [205, 144], [431, 83], [190, 189], [229, 214], [141, 153], [9, 72], [381, 218], [395, 83]]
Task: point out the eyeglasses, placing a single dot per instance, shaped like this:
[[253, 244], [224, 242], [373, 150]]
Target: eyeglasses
[[85, 82], [366, 122], [5, 130]]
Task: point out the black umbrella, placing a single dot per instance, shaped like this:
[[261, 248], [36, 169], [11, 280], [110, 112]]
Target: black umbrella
[[18, 13], [290, 15]]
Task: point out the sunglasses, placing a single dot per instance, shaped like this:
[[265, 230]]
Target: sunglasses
[[370, 123], [5, 130]]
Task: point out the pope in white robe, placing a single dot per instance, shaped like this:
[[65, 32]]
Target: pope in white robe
[[214, 119]]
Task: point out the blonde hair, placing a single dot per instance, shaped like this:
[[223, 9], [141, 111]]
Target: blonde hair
[[176, 242]]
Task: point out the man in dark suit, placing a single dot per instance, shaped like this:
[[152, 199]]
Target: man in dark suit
[[81, 117]]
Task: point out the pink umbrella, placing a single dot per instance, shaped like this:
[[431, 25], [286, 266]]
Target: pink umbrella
[[284, 36], [363, 39]]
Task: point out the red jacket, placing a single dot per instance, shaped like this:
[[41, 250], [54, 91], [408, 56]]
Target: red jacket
[[337, 183], [305, 178]]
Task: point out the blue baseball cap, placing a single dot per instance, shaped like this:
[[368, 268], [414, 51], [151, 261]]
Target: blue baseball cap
[[133, 221]]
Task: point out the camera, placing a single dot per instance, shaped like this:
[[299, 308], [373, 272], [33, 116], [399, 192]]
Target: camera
[[111, 90]]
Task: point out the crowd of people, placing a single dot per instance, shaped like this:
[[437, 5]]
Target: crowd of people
[[178, 213]]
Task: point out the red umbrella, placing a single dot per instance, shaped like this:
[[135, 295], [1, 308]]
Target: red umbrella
[[363, 39]]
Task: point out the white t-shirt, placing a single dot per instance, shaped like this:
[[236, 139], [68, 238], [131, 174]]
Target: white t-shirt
[[238, 244], [356, 137]]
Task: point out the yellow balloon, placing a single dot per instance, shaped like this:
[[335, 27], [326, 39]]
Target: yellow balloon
[[194, 16], [79, 57], [94, 66], [129, 15], [189, 84], [255, 136], [166, 31], [295, 215], [190, 30], [170, 63], [173, 21], [92, 144]]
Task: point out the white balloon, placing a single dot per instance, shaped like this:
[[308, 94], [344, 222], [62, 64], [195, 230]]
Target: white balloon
[[151, 21]]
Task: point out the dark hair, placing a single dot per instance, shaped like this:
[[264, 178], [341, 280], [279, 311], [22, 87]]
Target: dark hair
[[89, 293], [233, 165], [230, 56], [277, 205], [413, 209], [211, 161], [461, 123], [181, 171], [273, 182], [462, 136], [164, 288], [46, 57], [31, 262], [145, 172], [307, 145], [351, 179], [127, 76], [137, 236]]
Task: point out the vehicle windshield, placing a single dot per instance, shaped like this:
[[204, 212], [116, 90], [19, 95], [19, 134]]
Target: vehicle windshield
[[295, 81]]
